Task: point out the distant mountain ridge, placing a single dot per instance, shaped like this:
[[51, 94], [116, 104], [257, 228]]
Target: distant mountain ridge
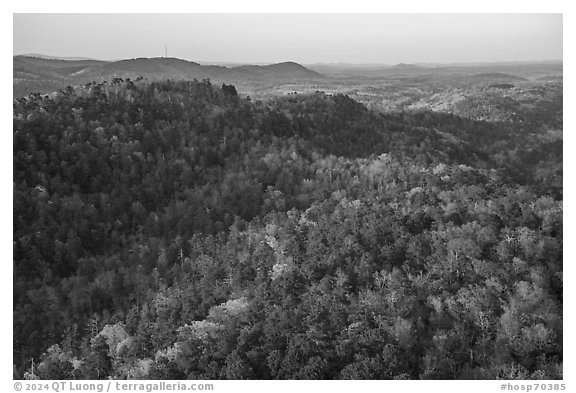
[[290, 68], [405, 66], [44, 74], [48, 57]]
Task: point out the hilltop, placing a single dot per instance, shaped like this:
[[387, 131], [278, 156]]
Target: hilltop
[[43, 74], [404, 66], [288, 68]]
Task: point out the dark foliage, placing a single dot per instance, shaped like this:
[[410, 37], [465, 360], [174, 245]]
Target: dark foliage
[[175, 230]]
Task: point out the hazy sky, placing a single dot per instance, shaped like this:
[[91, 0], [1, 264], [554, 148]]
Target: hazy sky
[[304, 38]]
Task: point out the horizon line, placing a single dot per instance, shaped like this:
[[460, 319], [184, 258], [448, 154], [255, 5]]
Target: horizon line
[[317, 63]]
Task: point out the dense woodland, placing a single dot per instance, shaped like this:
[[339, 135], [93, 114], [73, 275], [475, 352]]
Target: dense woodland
[[177, 230]]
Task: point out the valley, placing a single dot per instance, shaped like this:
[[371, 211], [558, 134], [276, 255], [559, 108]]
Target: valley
[[491, 92], [174, 220]]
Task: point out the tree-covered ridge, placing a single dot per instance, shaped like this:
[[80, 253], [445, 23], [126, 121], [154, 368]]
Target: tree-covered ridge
[[38, 74], [177, 230]]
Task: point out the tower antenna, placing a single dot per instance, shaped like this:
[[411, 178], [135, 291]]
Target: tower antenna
[[165, 50]]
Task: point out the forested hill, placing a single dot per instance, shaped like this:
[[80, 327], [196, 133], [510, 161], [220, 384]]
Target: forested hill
[[45, 75], [177, 230]]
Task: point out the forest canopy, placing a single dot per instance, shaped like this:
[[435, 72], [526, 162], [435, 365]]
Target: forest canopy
[[177, 230]]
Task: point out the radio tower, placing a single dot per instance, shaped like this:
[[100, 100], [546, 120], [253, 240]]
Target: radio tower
[[166, 51]]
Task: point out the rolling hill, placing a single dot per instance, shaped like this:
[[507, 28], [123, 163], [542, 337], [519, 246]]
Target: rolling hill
[[41, 74], [175, 230], [285, 69], [408, 67]]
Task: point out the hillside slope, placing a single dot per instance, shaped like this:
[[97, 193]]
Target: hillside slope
[[43, 75], [175, 230]]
